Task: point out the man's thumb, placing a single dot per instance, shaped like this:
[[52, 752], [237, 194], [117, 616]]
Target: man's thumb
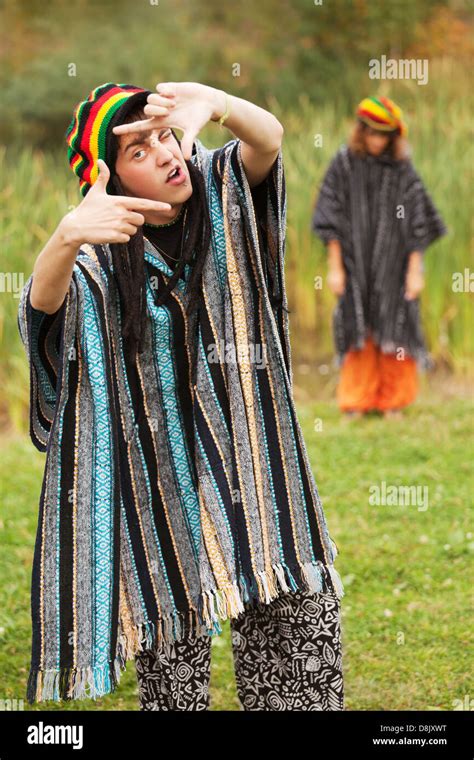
[[104, 174]]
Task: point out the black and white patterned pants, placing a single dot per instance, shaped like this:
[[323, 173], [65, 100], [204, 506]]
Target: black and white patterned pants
[[287, 656]]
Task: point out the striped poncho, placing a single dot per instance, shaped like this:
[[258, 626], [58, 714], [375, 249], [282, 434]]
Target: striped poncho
[[379, 210], [179, 488]]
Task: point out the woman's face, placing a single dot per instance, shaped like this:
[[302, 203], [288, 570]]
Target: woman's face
[[144, 163], [375, 141]]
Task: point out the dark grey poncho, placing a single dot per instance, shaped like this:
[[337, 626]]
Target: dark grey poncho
[[380, 211]]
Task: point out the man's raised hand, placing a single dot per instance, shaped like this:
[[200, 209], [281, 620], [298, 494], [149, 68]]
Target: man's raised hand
[[186, 106], [103, 218]]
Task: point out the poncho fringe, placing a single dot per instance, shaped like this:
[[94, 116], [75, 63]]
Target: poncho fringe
[[162, 570], [218, 605]]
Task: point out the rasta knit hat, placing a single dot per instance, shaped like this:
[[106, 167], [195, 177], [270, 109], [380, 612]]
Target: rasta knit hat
[[89, 135], [382, 113]]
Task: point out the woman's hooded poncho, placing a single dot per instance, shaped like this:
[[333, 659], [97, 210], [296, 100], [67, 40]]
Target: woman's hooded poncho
[[124, 559], [380, 211]]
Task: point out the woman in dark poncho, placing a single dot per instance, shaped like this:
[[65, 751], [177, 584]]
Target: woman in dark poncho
[[377, 219]]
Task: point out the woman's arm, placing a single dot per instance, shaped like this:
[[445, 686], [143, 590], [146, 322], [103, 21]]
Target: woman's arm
[[260, 132], [337, 273], [414, 280]]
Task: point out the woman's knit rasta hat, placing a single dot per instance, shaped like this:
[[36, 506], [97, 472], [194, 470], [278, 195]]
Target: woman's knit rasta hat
[[89, 135], [382, 113]]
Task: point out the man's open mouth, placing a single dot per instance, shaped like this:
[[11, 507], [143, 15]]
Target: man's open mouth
[[176, 177]]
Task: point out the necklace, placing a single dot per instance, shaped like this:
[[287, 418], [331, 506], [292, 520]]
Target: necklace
[[167, 224], [182, 239]]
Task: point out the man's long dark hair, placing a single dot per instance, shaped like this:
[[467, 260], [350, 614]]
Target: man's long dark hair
[[129, 262]]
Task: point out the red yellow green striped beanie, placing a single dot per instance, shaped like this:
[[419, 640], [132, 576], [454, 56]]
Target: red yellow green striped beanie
[[89, 135], [382, 113]]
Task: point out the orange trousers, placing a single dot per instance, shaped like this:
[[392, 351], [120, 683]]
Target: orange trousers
[[372, 380]]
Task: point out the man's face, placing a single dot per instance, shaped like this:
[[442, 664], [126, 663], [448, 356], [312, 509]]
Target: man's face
[[144, 162]]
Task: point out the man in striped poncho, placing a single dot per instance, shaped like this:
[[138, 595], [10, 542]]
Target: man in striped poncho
[[177, 490]]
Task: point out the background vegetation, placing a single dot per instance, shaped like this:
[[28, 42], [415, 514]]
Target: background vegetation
[[306, 63]]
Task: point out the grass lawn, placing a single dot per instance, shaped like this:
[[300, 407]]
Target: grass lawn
[[407, 570]]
